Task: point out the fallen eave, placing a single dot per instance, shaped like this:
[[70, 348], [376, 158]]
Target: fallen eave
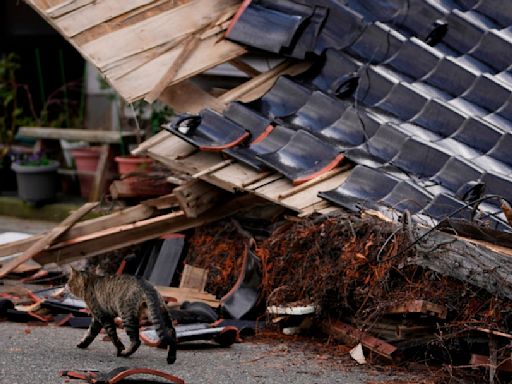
[[143, 46]]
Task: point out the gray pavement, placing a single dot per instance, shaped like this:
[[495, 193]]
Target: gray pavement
[[32, 355], [14, 224]]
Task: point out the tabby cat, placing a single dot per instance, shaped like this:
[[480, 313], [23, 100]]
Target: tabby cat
[[124, 296]]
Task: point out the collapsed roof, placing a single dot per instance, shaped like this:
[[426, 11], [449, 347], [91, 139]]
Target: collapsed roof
[[417, 93]]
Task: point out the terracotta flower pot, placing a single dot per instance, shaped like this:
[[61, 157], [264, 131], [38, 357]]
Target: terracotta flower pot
[[36, 183], [133, 164], [86, 159]]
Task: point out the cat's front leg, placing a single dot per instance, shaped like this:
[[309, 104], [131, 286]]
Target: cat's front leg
[[92, 332]]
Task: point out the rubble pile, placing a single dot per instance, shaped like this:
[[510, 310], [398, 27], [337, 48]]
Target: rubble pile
[[357, 273], [218, 248]]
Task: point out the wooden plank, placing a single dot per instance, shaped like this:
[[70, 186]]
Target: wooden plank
[[162, 202], [195, 162], [188, 47], [100, 177], [210, 52], [125, 216], [316, 207], [353, 336], [90, 13], [153, 140], [124, 66], [196, 197], [312, 182], [213, 168], [272, 190], [46, 4], [125, 20], [244, 67], [171, 148], [194, 278], [260, 182], [48, 239], [187, 294], [18, 245], [491, 332], [90, 135], [66, 7], [123, 236], [309, 196], [258, 85], [120, 189], [167, 27], [188, 97], [27, 266], [236, 174], [418, 306], [329, 210], [484, 361]]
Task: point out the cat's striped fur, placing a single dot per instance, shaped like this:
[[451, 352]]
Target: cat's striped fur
[[127, 297]]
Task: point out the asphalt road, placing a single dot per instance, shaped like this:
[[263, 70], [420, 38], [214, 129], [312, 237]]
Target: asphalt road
[[33, 355]]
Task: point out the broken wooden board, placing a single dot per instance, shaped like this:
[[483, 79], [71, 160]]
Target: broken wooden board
[[232, 176], [194, 278], [139, 186], [48, 239], [134, 43], [352, 336], [188, 294], [186, 97], [418, 306], [196, 197], [100, 179], [25, 267], [162, 202], [125, 235], [260, 84], [485, 362], [125, 216]]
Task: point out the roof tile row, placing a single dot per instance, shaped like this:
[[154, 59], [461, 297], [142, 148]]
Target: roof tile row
[[424, 122]]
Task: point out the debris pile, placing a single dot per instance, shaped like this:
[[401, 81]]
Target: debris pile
[[394, 292], [360, 276]]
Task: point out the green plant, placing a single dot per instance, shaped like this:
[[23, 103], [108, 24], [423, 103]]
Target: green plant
[[11, 115], [155, 113], [37, 159]]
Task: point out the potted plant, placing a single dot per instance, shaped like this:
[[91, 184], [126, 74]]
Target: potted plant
[[36, 178]]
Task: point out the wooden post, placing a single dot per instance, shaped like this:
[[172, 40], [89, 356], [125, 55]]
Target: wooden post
[[100, 177]]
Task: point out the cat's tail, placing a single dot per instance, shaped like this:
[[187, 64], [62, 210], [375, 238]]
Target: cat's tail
[[161, 320]]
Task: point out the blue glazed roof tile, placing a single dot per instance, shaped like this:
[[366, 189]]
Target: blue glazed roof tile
[[406, 195], [284, 98], [455, 173], [320, 111], [209, 131], [495, 11], [376, 43], [414, 50], [418, 93], [451, 76], [302, 157], [280, 27]]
